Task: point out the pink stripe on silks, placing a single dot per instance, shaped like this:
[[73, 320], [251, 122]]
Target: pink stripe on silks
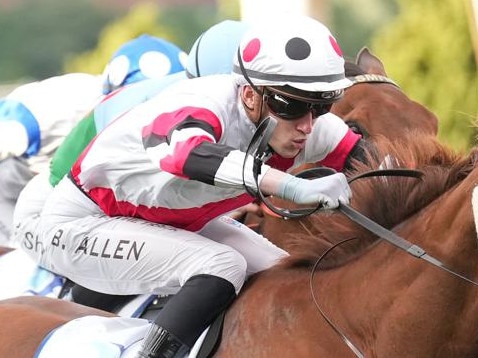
[[336, 159], [191, 219], [165, 122], [174, 163]]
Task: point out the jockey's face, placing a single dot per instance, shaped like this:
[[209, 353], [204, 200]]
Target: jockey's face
[[289, 136], [292, 130]]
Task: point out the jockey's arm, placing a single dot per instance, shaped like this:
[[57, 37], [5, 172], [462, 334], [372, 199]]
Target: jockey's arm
[[189, 149]]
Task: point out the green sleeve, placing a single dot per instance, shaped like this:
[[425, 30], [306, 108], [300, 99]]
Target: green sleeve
[[71, 148]]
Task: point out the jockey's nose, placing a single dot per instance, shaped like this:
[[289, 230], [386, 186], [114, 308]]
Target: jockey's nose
[[305, 123]]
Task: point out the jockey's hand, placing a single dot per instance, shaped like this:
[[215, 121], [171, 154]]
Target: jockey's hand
[[329, 190]]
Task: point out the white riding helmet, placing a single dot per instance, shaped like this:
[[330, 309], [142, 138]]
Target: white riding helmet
[[297, 54]]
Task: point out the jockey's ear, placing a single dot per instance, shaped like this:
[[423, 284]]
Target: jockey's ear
[[252, 102], [247, 96]]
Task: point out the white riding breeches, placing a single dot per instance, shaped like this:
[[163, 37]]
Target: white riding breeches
[[124, 255]]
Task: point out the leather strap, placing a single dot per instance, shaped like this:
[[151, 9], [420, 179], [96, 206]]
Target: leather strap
[[372, 78], [396, 240]]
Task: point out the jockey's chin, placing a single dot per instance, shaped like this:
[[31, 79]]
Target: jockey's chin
[[288, 151]]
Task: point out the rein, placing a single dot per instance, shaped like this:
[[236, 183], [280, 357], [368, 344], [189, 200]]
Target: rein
[[364, 221]]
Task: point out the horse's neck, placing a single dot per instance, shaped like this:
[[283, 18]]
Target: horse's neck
[[427, 300], [447, 225], [386, 302]]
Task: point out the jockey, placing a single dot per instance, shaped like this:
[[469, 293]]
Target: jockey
[[201, 61], [142, 209], [36, 117]]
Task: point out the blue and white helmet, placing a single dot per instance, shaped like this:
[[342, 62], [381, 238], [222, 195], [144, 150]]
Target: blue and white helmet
[[213, 52], [142, 58]]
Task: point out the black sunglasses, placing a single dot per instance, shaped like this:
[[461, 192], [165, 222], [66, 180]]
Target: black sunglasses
[[290, 108]]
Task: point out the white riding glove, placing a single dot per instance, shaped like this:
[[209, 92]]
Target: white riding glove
[[329, 190]]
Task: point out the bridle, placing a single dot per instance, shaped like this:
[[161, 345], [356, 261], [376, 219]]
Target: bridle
[[371, 78]]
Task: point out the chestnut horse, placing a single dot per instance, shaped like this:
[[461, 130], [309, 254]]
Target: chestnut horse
[[379, 299]]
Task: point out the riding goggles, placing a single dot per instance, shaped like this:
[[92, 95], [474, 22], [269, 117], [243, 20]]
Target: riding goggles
[[290, 108]]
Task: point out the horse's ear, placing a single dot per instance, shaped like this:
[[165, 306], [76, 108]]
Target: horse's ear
[[370, 63]]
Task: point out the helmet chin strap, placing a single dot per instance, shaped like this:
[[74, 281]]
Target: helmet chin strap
[[246, 76]]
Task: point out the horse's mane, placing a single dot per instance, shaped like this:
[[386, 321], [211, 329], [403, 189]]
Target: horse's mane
[[387, 201]]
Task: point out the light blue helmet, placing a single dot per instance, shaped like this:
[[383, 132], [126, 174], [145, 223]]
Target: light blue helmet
[[142, 58], [213, 52]]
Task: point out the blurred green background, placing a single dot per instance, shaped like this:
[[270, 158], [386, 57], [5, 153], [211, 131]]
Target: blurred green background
[[426, 45]]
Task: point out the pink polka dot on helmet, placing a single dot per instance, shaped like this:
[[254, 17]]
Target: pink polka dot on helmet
[[251, 50]]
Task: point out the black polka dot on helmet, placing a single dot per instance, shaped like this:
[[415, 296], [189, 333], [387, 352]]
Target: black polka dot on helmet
[[297, 49]]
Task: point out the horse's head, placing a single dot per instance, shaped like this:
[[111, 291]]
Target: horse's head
[[374, 105]]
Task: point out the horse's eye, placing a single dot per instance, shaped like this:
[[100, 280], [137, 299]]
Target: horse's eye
[[357, 128]]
